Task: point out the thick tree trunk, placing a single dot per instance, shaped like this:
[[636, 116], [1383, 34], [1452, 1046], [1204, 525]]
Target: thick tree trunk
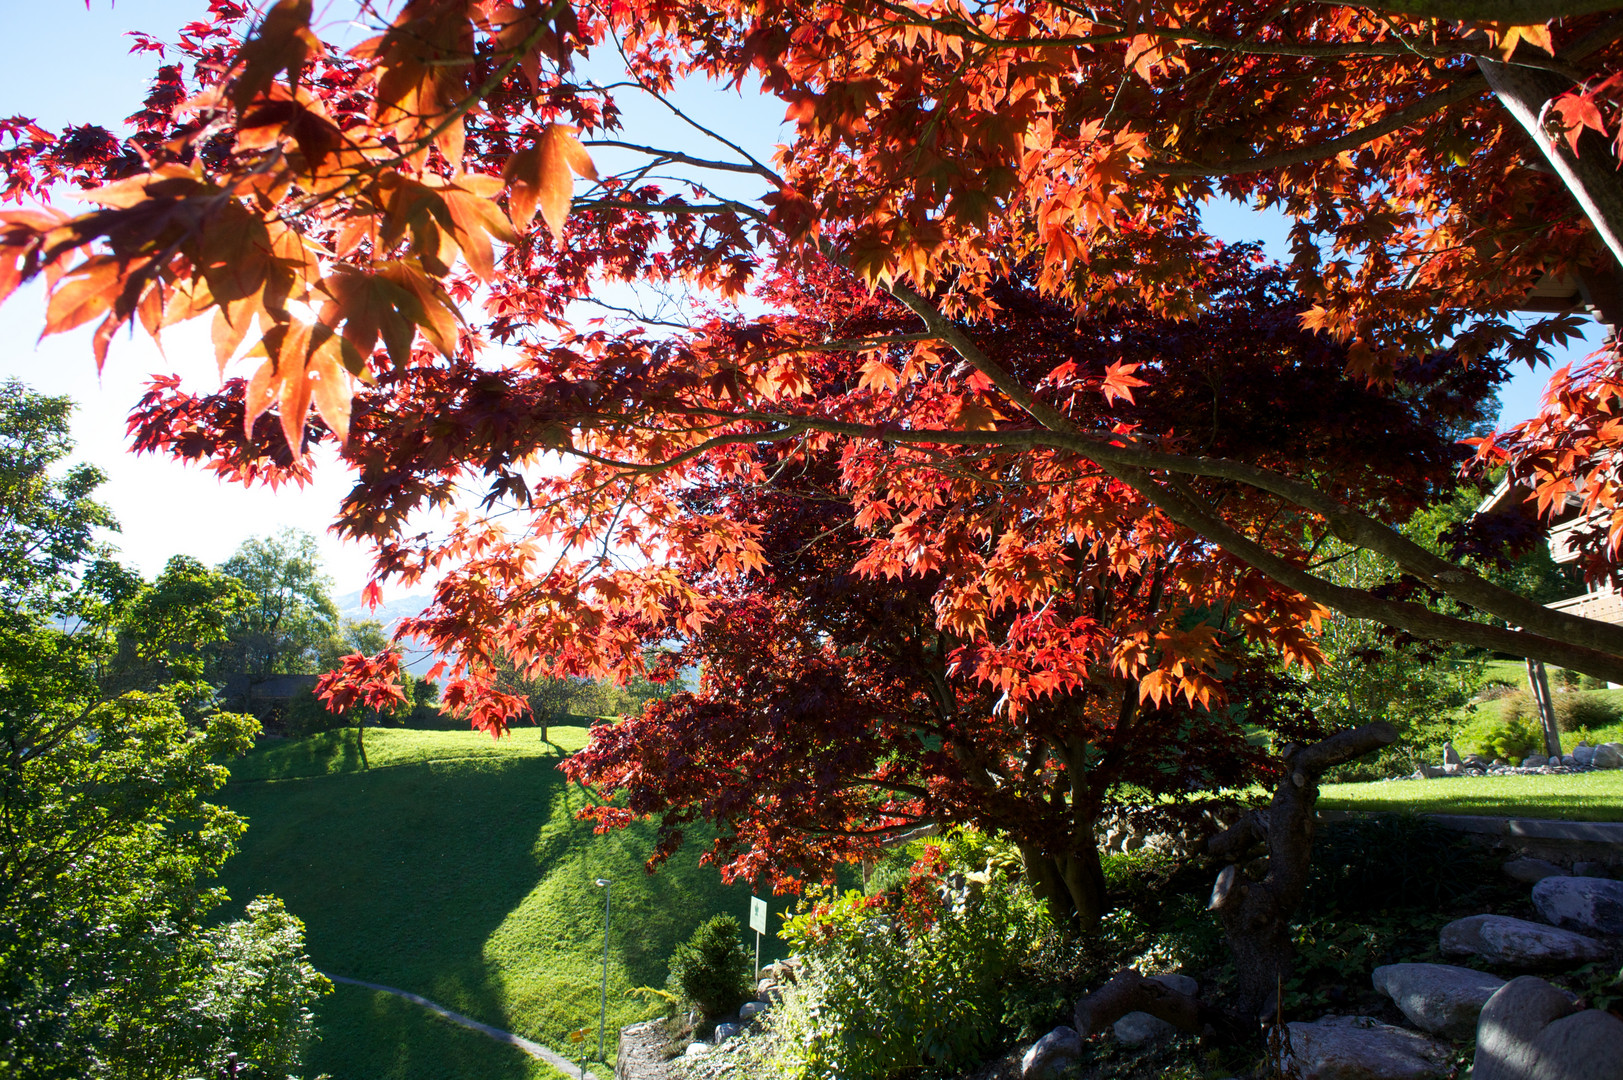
[[1256, 914], [1072, 886], [1591, 176]]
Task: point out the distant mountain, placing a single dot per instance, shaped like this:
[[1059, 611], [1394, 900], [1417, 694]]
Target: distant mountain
[[351, 609]]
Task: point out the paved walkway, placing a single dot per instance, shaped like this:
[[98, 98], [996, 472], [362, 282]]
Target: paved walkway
[[534, 1049]]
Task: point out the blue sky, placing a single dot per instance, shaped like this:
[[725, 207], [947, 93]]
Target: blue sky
[[70, 65]]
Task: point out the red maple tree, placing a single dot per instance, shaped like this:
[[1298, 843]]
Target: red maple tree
[[368, 219], [1019, 634]]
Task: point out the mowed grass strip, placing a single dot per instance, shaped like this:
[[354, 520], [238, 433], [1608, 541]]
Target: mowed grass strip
[[336, 752], [1595, 796], [455, 868]]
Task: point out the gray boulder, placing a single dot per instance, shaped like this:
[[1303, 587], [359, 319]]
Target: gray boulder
[[726, 1031], [1584, 754], [1362, 1048], [1056, 1048], [1438, 998], [1608, 756], [1529, 1031], [751, 1009], [1535, 761], [696, 1049], [1140, 1028], [1532, 870], [1594, 904], [1500, 939]]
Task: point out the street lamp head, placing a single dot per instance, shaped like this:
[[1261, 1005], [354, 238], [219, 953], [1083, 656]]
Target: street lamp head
[[602, 881]]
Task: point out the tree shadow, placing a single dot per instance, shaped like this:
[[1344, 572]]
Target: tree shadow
[[366, 1033]]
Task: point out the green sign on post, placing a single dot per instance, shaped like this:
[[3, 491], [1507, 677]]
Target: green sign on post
[[758, 924]]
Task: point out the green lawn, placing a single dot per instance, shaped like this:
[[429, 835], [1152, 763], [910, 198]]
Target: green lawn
[[1596, 796], [454, 867]]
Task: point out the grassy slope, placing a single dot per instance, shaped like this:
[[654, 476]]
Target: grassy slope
[[1596, 796], [454, 868]]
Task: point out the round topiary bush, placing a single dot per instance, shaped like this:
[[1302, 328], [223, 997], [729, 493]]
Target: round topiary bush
[[711, 970]]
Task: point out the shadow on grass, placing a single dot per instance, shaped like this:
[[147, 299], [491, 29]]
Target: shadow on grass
[[376, 1036], [468, 880]]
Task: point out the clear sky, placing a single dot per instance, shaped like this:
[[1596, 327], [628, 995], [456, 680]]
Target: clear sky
[[70, 65]]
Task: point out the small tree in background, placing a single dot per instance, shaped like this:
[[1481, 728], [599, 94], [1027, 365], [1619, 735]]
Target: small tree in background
[[711, 970], [363, 684]]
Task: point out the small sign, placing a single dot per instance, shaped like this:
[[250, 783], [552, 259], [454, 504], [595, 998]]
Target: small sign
[[757, 915]]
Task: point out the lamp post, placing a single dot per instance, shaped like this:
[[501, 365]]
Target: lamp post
[[603, 1006]]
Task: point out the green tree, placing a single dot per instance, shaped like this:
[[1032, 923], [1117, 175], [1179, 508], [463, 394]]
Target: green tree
[[1371, 673], [364, 636], [109, 751], [48, 523], [293, 616]]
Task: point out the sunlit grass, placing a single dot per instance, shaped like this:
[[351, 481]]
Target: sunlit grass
[[1596, 796]]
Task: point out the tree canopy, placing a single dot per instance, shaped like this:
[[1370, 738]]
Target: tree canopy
[[391, 236], [109, 751], [291, 621]]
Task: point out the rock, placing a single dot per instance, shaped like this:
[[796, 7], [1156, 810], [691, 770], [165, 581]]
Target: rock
[[727, 1031], [1362, 1048], [1500, 763], [1500, 939], [1057, 1047], [1591, 869], [1583, 754], [697, 1049], [1140, 1028], [1452, 768], [1608, 756], [1532, 870], [752, 1009], [1451, 756], [1529, 1031], [1438, 998], [1183, 984], [1535, 761], [1594, 904]]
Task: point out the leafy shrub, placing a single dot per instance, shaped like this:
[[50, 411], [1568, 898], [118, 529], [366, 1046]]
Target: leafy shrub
[[254, 993], [1517, 705], [1574, 711], [711, 970], [917, 980], [1589, 682]]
